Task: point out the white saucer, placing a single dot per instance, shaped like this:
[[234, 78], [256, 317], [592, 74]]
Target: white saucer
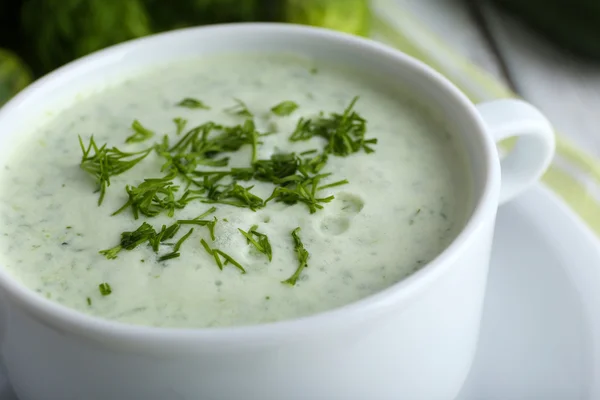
[[540, 338]]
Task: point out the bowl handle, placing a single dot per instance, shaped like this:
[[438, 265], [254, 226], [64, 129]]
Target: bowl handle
[[534, 149]]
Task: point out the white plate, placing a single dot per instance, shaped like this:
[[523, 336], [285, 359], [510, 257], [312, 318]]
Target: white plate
[[540, 337]]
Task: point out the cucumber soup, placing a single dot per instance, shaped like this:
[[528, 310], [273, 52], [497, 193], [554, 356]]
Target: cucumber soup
[[231, 191]]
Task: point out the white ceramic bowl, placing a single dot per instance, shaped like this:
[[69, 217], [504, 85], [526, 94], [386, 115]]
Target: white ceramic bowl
[[414, 341]]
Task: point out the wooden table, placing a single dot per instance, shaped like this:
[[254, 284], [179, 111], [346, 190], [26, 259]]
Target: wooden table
[[565, 89]]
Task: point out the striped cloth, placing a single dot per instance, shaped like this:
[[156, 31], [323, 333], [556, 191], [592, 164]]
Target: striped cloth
[[574, 175]]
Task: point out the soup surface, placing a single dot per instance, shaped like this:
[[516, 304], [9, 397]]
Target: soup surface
[[396, 203]]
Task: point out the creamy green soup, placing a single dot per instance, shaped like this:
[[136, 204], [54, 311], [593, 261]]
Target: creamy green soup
[[401, 206]]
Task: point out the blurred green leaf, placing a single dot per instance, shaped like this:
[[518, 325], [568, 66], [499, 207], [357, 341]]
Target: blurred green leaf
[[351, 16], [59, 31], [14, 75], [166, 15]]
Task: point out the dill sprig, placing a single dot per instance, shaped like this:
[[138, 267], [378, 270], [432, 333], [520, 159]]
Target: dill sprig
[[240, 109], [192, 103], [105, 290], [103, 163], [259, 240], [130, 240], [302, 255], [290, 173], [344, 133], [145, 233], [156, 195], [284, 108], [234, 195], [297, 178], [140, 133], [201, 222], [217, 254], [302, 191], [165, 233], [201, 145], [180, 125], [175, 252]]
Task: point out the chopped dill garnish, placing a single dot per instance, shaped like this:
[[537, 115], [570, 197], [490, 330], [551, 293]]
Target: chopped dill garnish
[[180, 124], [192, 103], [288, 171], [334, 184], [201, 145], [181, 240], [201, 222], [240, 109], [105, 289], [156, 195], [284, 108], [344, 133], [130, 240], [140, 133], [165, 233], [217, 254], [259, 240], [89, 301], [168, 256], [234, 195], [301, 254], [147, 234], [195, 169], [302, 191], [103, 163]]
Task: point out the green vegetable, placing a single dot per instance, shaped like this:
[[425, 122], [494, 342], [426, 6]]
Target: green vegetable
[[344, 133], [217, 254], [303, 191], [188, 102], [301, 254], [14, 75], [102, 163], [351, 16], [59, 31], [201, 222], [130, 240], [261, 243], [180, 123], [145, 233], [240, 109], [154, 196], [62, 30], [296, 178], [284, 108], [175, 252], [105, 290], [140, 133]]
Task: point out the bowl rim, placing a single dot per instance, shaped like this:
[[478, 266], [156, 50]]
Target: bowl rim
[[67, 319]]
